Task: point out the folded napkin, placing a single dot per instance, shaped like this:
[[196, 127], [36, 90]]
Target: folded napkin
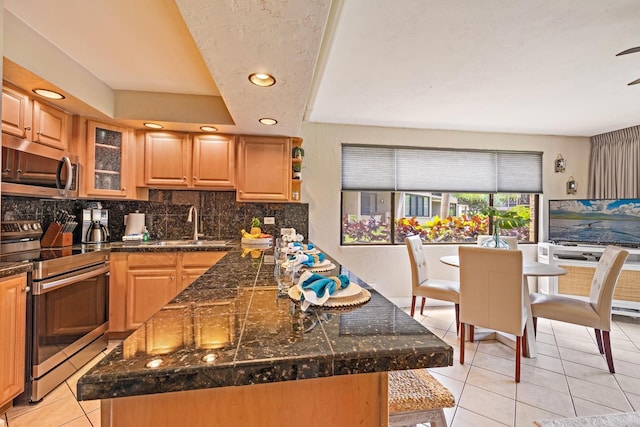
[[305, 260], [316, 289]]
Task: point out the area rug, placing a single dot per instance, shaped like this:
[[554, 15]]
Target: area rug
[[630, 419]]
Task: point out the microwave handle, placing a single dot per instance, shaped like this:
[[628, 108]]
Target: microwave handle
[[64, 162]]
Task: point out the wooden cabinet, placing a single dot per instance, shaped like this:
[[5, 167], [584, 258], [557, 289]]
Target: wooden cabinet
[[110, 161], [13, 302], [180, 160], [16, 113], [51, 126], [264, 169], [29, 118], [142, 283]]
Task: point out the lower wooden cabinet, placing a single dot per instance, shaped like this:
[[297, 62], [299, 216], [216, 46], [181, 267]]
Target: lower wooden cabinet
[[13, 303], [142, 283]]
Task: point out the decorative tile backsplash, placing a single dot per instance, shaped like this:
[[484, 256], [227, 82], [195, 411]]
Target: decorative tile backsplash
[[221, 217]]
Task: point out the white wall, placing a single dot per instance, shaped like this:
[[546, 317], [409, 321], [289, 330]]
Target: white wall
[[388, 267]]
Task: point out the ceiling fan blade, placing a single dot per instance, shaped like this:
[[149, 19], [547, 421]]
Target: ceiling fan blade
[[632, 50], [635, 82]]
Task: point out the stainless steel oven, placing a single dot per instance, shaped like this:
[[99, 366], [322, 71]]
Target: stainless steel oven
[[67, 306]]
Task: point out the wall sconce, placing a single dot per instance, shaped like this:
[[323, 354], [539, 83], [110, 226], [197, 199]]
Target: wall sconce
[[560, 164], [571, 186]]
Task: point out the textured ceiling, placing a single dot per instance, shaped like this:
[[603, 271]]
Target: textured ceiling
[[516, 66]]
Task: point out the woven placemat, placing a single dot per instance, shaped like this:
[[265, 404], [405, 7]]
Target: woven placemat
[[347, 302]]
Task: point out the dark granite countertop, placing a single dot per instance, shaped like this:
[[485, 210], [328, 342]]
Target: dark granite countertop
[[230, 328], [8, 269]]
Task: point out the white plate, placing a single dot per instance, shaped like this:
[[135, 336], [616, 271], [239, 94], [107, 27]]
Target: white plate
[[349, 291], [311, 251]]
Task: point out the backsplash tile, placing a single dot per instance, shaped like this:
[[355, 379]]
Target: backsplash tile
[[221, 217]]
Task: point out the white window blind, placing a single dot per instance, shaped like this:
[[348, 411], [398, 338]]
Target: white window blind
[[419, 169]]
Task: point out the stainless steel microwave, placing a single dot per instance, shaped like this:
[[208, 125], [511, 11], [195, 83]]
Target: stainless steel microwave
[[36, 170]]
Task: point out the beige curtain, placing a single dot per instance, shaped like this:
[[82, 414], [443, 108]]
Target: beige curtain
[[614, 171]]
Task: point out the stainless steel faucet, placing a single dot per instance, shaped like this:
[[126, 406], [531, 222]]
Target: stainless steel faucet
[[193, 217]]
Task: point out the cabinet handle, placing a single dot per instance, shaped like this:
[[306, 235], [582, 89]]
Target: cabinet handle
[[195, 178], [184, 277], [26, 289], [6, 170], [184, 178], [27, 128], [19, 170], [39, 132], [173, 278], [124, 188]]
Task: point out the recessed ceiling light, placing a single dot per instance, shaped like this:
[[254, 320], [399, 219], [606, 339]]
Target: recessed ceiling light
[[153, 125], [268, 121], [208, 129], [262, 79], [48, 93]]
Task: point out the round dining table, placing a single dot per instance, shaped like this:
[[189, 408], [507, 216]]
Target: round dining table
[[529, 269]]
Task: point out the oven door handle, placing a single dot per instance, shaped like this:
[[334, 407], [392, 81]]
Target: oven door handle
[[40, 288]]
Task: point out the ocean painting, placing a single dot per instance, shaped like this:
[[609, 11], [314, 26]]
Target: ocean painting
[[598, 221]]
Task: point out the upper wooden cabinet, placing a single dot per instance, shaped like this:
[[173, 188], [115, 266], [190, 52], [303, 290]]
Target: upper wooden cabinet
[[175, 159], [107, 154], [50, 126], [13, 302], [16, 113], [34, 120], [264, 169], [108, 171]]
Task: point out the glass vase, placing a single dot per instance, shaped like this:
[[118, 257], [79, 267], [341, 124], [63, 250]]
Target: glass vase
[[495, 242]]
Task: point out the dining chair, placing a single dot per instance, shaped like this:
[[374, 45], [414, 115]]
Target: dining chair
[[511, 240], [595, 313], [425, 287], [492, 294]]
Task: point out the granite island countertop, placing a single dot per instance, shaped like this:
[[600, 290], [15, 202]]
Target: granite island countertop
[[230, 328]]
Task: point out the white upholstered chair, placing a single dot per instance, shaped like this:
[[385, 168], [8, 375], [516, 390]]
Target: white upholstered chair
[[492, 294], [511, 240], [595, 313], [422, 285]]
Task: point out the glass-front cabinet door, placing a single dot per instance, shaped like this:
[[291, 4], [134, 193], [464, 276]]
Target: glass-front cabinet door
[[106, 149]]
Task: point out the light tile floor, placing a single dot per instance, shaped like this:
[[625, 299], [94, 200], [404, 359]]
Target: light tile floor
[[60, 407], [568, 378]]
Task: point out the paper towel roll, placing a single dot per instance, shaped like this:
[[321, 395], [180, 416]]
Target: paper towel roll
[[134, 224]]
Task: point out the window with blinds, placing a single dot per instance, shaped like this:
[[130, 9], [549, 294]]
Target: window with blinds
[[419, 169], [389, 193]]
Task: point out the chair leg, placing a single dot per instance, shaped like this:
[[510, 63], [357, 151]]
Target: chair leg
[[518, 342], [462, 343], [607, 350], [413, 304], [457, 306], [535, 326], [599, 340], [422, 305], [471, 331], [524, 341]]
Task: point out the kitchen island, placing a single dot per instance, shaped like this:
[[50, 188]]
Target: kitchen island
[[228, 351]]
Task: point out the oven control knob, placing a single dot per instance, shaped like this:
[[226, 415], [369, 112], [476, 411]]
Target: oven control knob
[[25, 227]]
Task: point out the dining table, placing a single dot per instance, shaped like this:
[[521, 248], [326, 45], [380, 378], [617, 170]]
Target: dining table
[[529, 269]]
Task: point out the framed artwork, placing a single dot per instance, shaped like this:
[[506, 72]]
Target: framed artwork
[[559, 163]]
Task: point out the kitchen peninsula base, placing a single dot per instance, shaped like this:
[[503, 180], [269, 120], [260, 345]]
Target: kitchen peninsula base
[[344, 400]]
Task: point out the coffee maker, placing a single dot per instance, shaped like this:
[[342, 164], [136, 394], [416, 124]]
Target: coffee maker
[[95, 225]]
